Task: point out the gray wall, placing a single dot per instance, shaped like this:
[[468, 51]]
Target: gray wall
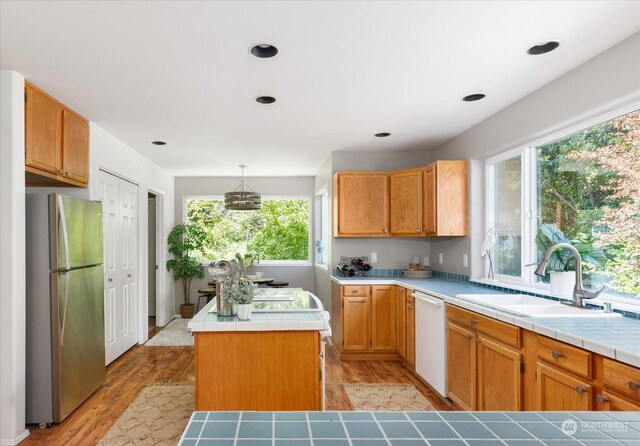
[[297, 276], [607, 82], [323, 180]]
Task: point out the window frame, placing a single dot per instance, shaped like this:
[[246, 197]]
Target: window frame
[[288, 263], [527, 281], [322, 228]]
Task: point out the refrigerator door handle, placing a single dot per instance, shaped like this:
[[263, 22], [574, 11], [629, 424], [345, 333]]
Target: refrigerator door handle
[[65, 233], [67, 279]]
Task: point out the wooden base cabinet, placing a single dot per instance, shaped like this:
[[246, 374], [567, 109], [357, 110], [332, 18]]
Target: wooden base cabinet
[[461, 366], [560, 391], [369, 320], [499, 376], [258, 370], [484, 362], [401, 321], [56, 142]]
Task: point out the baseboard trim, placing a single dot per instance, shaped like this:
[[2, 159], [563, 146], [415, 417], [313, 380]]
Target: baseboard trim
[[16, 440]]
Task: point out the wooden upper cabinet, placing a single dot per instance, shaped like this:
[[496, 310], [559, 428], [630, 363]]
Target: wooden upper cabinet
[[362, 204], [56, 142], [383, 318], [75, 160], [405, 201], [43, 131], [446, 199]]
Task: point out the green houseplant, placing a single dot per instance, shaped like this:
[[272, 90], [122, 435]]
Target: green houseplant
[[240, 292], [561, 265], [183, 240]]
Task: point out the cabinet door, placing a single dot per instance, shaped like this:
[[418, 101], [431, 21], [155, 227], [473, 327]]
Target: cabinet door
[[405, 201], [612, 403], [499, 377], [430, 217], [401, 322], [560, 391], [383, 318], [362, 204], [411, 334], [452, 198], [75, 147], [356, 323], [43, 127], [461, 366]]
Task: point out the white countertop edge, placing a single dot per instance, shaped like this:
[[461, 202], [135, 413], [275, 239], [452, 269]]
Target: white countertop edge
[[526, 323]]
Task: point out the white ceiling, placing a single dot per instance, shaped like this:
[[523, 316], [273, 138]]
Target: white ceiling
[[181, 71]]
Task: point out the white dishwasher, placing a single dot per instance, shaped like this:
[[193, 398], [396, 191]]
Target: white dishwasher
[[431, 352]]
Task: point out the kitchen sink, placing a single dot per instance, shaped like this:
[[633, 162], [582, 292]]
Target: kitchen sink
[[534, 307]]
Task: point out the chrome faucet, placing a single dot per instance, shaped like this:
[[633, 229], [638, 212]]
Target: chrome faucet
[[579, 293]]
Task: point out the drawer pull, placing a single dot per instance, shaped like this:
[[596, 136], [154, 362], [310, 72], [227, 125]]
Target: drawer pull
[[634, 386], [478, 341], [469, 337], [556, 354], [602, 399], [581, 389], [354, 291], [474, 321]]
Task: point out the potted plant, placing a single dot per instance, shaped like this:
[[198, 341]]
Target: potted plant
[[183, 240], [561, 265], [240, 292]]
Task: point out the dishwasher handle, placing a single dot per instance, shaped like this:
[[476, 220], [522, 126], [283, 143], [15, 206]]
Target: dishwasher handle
[[428, 299]]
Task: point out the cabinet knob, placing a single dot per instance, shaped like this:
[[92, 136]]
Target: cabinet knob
[[385, 230], [469, 337], [474, 321], [581, 389], [556, 354], [602, 399], [418, 230], [478, 341], [633, 385]]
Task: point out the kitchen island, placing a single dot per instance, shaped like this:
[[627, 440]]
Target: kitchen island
[[274, 361]]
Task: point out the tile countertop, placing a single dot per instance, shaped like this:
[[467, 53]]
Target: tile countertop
[[273, 321], [616, 338], [413, 428]]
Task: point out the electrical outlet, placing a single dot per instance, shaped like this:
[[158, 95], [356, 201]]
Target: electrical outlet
[[440, 258], [374, 257], [465, 261]]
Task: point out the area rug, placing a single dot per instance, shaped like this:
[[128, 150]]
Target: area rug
[[157, 416], [386, 397], [175, 333]]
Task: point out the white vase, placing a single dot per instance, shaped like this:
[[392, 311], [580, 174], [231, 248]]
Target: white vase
[[244, 312], [562, 283]]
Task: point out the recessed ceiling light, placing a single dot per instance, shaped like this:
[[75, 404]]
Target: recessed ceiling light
[[473, 97], [158, 143], [264, 51], [543, 48], [382, 135], [266, 99]]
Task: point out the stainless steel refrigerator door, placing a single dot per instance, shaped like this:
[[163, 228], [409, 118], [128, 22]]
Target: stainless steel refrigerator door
[[76, 232], [78, 337]]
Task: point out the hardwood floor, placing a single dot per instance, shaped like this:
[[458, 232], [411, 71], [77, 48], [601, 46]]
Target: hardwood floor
[[143, 365]]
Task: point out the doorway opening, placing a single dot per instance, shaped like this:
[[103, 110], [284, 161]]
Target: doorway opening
[[152, 247]]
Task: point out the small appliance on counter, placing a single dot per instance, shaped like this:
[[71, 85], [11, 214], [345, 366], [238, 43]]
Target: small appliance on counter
[[354, 266]]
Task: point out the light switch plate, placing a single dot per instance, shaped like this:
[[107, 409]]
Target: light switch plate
[[374, 257], [440, 258]]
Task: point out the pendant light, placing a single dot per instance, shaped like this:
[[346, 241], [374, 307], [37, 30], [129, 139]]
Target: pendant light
[[243, 198]]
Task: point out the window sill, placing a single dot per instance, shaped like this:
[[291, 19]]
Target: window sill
[[620, 303], [321, 266]]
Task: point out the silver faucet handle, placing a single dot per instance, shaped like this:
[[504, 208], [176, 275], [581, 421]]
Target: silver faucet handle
[[592, 294]]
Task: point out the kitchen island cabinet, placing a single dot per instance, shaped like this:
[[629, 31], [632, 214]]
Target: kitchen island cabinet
[[274, 361]]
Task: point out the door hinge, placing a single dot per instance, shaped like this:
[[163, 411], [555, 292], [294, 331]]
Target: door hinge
[[319, 375], [522, 367], [343, 342]]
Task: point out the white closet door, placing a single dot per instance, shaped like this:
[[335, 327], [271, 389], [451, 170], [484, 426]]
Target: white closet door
[[120, 220]]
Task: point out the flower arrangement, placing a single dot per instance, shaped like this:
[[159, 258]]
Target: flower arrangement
[[238, 291]]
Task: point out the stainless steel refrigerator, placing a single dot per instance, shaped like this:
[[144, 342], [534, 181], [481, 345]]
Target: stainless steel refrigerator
[[65, 360]]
